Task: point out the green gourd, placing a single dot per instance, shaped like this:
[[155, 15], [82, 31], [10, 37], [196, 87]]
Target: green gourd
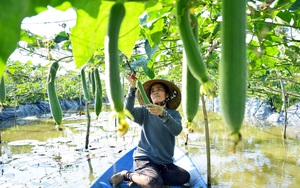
[[190, 45], [233, 65], [84, 85], [190, 85], [143, 93], [112, 61], [55, 107], [2, 90], [98, 93]]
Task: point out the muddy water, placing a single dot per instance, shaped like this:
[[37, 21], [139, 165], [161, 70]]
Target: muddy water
[[263, 158], [35, 154]]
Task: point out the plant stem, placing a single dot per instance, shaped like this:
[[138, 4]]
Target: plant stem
[[207, 141]]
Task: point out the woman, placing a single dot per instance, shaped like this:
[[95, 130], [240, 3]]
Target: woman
[[160, 123]]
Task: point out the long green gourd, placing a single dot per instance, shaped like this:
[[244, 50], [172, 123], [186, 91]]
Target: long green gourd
[[55, 107], [112, 60], [190, 85], [98, 93], [143, 93], [84, 85], [2, 90], [233, 65], [193, 54], [92, 81]]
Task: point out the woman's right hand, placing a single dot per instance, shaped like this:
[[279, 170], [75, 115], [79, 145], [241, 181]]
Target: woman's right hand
[[132, 80]]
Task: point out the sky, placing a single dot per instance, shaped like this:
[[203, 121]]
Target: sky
[[46, 24], [50, 22]]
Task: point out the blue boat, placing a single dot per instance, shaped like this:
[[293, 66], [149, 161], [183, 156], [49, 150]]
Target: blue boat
[[126, 163]]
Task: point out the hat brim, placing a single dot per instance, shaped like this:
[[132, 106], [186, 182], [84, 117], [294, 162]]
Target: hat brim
[[173, 103]]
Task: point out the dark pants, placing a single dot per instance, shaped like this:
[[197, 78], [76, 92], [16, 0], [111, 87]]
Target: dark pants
[[164, 174]]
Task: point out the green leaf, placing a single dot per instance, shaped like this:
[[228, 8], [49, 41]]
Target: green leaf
[[12, 12], [272, 51], [155, 37], [296, 49], [62, 36], [149, 72], [282, 4], [274, 38], [149, 50], [295, 6], [88, 34], [285, 16], [142, 61], [11, 15], [153, 24], [28, 37], [130, 29]]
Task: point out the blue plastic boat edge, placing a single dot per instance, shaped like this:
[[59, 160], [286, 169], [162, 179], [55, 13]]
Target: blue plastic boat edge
[[126, 163]]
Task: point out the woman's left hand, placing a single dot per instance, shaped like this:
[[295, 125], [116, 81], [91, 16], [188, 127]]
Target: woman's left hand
[[155, 109]]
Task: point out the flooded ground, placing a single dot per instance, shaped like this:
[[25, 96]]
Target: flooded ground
[[34, 154], [263, 158]]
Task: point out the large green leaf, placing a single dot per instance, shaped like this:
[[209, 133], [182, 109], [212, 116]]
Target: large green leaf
[[295, 6], [130, 29], [11, 15], [88, 34], [153, 23], [12, 12], [149, 50], [25, 36], [285, 16]]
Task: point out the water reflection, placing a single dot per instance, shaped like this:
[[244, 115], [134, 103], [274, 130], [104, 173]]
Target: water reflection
[[35, 154], [263, 159]]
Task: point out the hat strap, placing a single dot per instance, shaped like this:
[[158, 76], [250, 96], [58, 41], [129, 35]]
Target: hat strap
[[168, 99]]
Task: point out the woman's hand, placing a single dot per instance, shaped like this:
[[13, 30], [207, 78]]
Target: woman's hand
[[155, 109], [132, 80]]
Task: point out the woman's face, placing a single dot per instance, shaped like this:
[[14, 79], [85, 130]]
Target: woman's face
[[158, 93]]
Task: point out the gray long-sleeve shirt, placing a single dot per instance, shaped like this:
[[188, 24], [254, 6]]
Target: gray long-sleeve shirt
[[157, 139]]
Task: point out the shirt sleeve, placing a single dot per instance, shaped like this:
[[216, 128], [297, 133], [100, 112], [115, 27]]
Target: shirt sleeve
[[137, 112], [130, 98], [172, 120], [165, 116]]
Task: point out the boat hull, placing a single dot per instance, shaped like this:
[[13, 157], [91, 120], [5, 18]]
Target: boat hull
[[126, 163]]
